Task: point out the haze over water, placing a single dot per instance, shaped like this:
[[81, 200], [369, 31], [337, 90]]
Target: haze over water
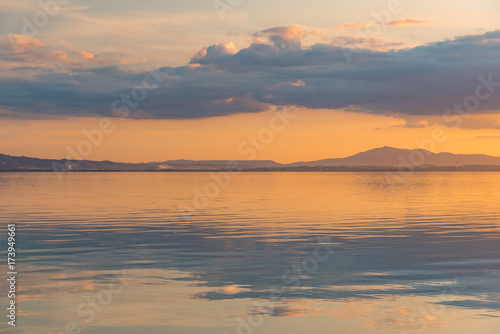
[[422, 257]]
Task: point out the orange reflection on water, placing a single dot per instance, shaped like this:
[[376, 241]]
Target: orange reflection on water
[[400, 249]]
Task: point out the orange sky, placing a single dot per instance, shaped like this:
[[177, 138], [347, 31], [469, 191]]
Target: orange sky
[[60, 81], [311, 135]]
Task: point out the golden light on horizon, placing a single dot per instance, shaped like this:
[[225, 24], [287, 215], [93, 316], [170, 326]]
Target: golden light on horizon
[[311, 135]]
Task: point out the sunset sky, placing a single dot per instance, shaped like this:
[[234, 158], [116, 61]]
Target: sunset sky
[[353, 76]]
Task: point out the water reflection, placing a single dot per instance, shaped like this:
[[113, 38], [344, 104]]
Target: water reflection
[[422, 256]]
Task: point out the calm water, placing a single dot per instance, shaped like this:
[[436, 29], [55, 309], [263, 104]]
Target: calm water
[[270, 253]]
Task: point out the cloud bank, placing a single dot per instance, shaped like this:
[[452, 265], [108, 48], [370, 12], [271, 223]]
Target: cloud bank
[[275, 70]]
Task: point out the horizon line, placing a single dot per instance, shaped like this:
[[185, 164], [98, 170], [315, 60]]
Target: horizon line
[[305, 161]]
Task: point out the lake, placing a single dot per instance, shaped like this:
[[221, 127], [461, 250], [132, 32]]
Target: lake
[[268, 253]]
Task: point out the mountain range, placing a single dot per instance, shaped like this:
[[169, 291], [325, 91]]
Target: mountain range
[[385, 158]]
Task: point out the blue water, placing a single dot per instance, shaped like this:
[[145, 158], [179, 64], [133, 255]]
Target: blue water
[[258, 253]]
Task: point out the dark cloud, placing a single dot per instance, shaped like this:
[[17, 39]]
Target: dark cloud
[[425, 80]]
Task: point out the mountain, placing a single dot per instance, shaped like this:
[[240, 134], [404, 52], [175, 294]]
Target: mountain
[[11, 163], [375, 159], [390, 156]]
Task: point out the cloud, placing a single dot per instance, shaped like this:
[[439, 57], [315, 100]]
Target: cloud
[[354, 25], [396, 23], [214, 51], [17, 50], [275, 70], [22, 43], [408, 124], [288, 33], [364, 42], [411, 22], [285, 37]]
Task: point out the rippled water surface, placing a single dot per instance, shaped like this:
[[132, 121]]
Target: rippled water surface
[[266, 253]]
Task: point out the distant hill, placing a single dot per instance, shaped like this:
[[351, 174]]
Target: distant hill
[[375, 159], [390, 156], [11, 163]]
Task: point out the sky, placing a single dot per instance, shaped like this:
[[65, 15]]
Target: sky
[[160, 80]]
